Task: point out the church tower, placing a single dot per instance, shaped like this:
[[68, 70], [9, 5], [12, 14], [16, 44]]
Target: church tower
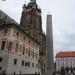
[[31, 23], [31, 19]]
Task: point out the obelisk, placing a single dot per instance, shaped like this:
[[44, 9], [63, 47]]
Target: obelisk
[[49, 47]]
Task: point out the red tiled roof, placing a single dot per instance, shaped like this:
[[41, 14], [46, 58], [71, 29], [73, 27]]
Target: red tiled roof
[[65, 54]]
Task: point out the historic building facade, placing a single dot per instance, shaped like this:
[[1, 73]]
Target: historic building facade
[[31, 23], [65, 59], [19, 53]]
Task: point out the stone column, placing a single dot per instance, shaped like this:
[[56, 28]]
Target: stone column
[[49, 47]]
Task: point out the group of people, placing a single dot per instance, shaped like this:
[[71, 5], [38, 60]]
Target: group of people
[[65, 71]]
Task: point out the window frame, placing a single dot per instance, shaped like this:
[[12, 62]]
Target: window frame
[[3, 45], [1, 59], [15, 61]]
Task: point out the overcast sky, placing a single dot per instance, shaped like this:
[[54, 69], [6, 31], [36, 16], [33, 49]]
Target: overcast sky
[[63, 19]]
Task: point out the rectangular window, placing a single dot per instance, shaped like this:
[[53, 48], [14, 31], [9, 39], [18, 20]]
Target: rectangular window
[[16, 47], [29, 41], [25, 63], [33, 54], [24, 38], [29, 53], [15, 61], [23, 50], [28, 64], [32, 64], [36, 65], [22, 63], [3, 45], [0, 59], [0, 68]]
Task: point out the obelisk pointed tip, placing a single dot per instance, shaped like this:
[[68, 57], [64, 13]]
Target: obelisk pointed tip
[[49, 13]]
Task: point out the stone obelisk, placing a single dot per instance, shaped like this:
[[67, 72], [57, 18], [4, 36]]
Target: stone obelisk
[[49, 47]]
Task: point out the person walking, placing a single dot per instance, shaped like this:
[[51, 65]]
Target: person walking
[[62, 71]]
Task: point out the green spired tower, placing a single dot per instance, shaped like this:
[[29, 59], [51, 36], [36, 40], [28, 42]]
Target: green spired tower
[[31, 23]]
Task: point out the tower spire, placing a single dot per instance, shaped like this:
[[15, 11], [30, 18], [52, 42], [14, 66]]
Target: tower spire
[[32, 1]]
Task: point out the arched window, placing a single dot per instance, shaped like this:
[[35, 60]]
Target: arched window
[[3, 45], [33, 54], [23, 51], [20, 48], [16, 47], [9, 46], [29, 53]]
